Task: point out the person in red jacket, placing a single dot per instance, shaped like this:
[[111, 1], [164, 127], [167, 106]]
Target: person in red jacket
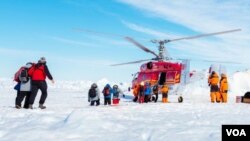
[[38, 74]]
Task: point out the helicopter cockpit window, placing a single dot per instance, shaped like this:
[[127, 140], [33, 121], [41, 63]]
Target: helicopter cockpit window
[[135, 76]]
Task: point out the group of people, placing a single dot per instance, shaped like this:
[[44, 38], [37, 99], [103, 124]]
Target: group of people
[[218, 88], [31, 78], [108, 93], [144, 93]]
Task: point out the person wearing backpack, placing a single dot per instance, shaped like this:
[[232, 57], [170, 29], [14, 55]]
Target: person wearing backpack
[[23, 86], [94, 95], [107, 91], [38, 73]]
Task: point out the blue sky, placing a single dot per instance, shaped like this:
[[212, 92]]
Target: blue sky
[[30, 29]]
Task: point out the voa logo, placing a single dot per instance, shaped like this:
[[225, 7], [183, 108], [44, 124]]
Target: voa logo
[[236, 132]]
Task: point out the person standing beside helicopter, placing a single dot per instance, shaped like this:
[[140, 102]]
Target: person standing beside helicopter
[[223, 87], [164, 92], [135, 92], [213, 81], [141, 91]]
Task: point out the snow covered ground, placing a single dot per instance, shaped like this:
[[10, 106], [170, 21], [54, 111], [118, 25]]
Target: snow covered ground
[[69, 117]]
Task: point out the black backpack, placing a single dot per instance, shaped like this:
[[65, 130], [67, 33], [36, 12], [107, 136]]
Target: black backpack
[[23, 77], [155, 88], [92, 93]]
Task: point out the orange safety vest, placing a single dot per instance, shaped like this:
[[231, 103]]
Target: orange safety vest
[[164, 89], [213, 79]]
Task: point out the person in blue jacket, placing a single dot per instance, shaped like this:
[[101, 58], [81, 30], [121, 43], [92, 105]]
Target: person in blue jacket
[[147, 92], [107, 91]]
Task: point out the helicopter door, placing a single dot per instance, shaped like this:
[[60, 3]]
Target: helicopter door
[[162, 78]]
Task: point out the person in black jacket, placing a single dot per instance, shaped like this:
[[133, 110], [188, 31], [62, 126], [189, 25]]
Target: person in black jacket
[[38, 74]]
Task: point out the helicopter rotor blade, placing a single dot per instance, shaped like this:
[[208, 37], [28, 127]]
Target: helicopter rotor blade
[[204, 35], [134, 62], [141, 46]]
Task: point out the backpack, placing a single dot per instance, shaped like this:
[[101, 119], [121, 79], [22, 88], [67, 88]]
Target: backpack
[[92, 93], [23, 76], [17, 74], [106, 91], [155, 88]]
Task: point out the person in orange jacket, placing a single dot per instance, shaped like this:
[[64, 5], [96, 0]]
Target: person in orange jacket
[[223, 87], [213, 81], [164, 92], [135, 92]]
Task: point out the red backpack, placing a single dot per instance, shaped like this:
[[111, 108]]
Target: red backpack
[[17, 74], [106, 91]]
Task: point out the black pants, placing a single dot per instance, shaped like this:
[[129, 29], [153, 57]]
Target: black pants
[[19, 98], [92, 103], [36, 85], [107, 101], [135, 98], [214, 88], [165, 95], [147, 98]]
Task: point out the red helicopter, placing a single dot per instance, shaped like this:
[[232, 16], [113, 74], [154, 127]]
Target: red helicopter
[[162, 68]]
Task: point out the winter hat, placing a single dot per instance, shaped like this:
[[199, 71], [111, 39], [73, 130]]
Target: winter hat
[[115, 86], [42, 60], [223, 75], [94, 85]]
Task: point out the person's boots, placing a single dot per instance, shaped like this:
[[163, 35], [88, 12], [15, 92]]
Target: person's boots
[[18, 107], [30, 106], [41, 106]]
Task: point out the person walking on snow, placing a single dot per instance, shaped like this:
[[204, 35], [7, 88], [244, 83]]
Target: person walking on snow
[[94, 95], [223, 87], [38, 73], [24, 87], [107, 91], [213, 81]]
